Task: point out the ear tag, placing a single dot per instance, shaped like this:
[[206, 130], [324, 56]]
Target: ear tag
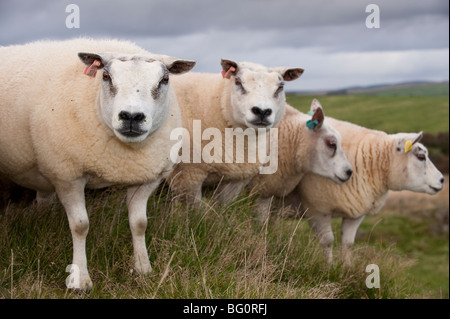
[[310, 113], [92, 69], [312, 124], [408, 146], [227, 75]]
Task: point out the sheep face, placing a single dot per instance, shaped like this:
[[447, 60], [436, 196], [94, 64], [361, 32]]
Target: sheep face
[[325, 156], [411, 167], [134, 92], [257, 97]]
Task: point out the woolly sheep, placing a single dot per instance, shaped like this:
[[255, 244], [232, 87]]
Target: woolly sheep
[[301, 150], [381, 162], [248, 96], [63, 131]]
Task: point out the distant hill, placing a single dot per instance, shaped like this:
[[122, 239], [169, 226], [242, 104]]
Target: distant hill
[[417, 88]]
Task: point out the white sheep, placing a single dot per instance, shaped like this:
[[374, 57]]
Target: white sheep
[[247, 96], [305, 145], [63, 131], [381, 162]]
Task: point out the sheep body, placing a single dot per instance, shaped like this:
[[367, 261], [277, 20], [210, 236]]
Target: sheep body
[[299, 150], [56, 136], [50, 126], [380, 163], [219, 103]]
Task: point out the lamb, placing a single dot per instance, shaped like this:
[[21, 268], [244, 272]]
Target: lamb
[[381, 162], [303, 146], [249, 96], [63, 131]]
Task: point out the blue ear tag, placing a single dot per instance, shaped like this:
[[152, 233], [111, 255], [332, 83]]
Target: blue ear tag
[[312, 124]]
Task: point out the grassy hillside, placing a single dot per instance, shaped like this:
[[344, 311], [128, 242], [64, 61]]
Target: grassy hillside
[[433, 89], [221, 252], [213, 252], [391, 113]]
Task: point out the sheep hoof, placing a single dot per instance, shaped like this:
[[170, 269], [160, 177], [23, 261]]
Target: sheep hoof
[[85, 285], [143, 268]]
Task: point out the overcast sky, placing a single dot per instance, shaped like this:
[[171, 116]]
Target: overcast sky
[[329, 39]]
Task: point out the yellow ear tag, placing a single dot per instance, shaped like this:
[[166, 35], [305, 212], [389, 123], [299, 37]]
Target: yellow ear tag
[[408, 146]]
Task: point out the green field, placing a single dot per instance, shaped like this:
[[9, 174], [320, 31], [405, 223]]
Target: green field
[[435, 89], [221, 252], [392, 114], [212, 252]]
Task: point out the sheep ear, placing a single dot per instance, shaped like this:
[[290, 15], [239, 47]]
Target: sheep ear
[[289, 74], [93, 62], [418, 137], [229, 68], [318, 116], [89, 58], [180, 66], [315, 104], [405, 141]]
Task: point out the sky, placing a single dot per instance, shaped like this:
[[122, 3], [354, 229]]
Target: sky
[[328, 38]]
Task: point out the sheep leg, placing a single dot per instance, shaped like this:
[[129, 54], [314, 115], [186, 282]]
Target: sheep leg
[[71, 195], [230, 191], [44, 199], [263, 209], [137, 197], [321, 224], [186, 182], [293, 200], [348, 230]]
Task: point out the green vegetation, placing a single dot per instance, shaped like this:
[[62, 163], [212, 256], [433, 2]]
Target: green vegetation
[[391, 114], [434, 89], [221, 252], [212, 252], [414, 237]]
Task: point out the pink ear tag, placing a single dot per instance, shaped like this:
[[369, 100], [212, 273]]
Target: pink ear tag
[[227, 75], [92, 69]]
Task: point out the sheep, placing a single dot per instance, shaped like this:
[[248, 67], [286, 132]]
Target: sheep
[[63, 131], [248, 96], [381, 162], [302, 148]]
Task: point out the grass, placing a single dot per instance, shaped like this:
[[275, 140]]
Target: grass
[[387, 113], [221, 252], [212, 252], [435, 89], [414, 237]]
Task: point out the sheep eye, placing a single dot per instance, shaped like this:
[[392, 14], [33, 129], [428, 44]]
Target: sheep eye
[[280, 88], [421, 157], [165, 79], [238, 83], [331, 144], [106, 76]]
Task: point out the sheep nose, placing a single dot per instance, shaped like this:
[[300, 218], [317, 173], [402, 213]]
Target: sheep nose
[[442, 180], [132, 117], [349, 172], [261, 113]]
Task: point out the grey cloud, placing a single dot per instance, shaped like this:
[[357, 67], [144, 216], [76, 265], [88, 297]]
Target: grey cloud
[[26, 20], [309, 34]]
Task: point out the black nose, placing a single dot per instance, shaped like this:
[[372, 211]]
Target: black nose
[[261, 113], [442, 180], [349, 172], [135, 117]]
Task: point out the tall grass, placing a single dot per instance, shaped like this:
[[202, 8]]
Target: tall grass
[[207, 252], [222, 252]]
